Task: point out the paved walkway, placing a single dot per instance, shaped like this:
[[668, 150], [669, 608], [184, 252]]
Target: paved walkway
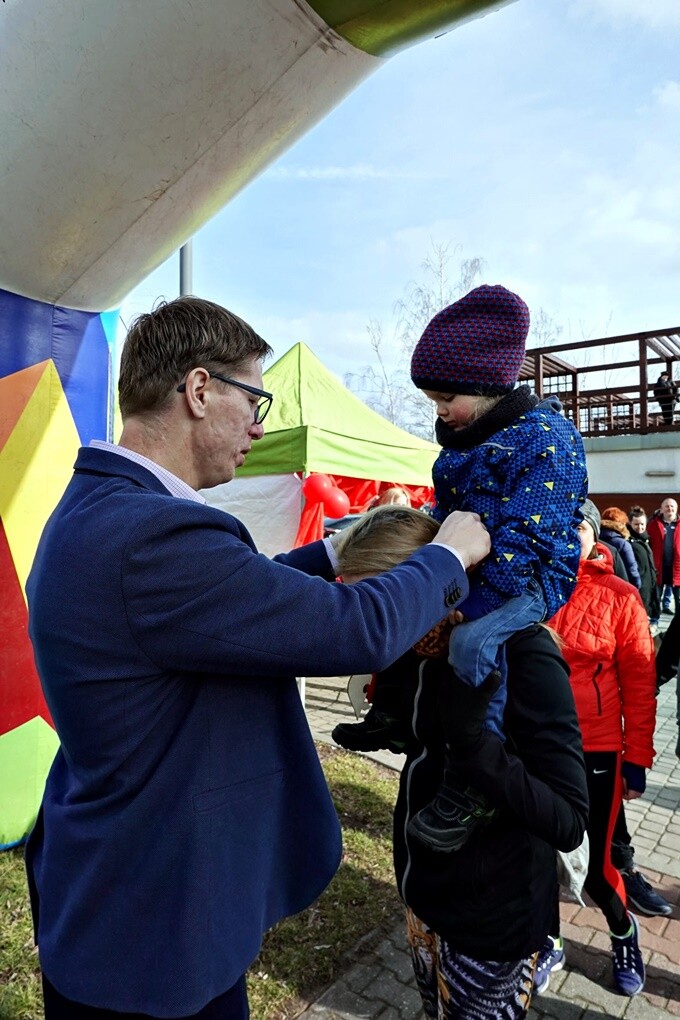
[[378, 984]]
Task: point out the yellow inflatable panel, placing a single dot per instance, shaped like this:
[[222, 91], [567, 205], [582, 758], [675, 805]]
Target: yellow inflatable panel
[[36, 463]]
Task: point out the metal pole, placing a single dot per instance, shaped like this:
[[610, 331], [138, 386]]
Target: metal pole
[[186, 285]]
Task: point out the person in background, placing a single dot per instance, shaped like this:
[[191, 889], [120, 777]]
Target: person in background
[[666, 393], [614, 532], [664, 538], [642, 550], [645, 899], [668, 665], [476, 919], [394, 496], [186, 810], [610, 653]]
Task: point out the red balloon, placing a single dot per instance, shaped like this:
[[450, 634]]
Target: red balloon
[[336, 503], [316, 487]]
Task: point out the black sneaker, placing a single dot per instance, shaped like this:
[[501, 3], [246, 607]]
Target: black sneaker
[[446, 824], [641, 895], [376, 732]]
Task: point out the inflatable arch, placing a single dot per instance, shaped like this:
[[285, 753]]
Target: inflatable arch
[[125, 126]]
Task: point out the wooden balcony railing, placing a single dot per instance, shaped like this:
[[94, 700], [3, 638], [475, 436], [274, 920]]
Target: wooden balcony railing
[[613, 410]]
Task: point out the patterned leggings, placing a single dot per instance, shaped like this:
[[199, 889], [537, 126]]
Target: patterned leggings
[[456, 987]]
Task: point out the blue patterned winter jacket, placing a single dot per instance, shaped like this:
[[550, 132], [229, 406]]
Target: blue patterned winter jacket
[[526, 481]]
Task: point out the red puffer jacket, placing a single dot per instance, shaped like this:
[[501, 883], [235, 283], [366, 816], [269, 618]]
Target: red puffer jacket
[[657, 533], [610, 652]]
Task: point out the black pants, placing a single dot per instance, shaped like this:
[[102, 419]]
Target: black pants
[[667, 410], [233, 1005], [623, 851], [603, 882]]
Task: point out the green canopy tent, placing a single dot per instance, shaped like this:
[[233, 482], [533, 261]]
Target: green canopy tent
[[315, 425]]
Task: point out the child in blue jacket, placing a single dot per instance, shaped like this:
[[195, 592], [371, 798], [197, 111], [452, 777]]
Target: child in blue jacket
[[519, 464]]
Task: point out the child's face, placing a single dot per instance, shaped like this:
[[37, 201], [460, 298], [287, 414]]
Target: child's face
[[458, 410]]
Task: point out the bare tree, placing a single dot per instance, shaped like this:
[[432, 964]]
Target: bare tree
[[390, 390], [544, 330]]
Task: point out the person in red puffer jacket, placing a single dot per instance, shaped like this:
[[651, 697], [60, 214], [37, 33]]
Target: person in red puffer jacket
[[609, 649]]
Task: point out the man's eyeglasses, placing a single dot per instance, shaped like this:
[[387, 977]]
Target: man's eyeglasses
[[261, 410]]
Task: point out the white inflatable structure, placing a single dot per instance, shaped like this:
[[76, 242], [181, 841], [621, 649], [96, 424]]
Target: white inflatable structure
[[125, 125]]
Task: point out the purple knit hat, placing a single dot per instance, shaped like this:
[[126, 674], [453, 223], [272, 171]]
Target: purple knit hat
[[475, 345]]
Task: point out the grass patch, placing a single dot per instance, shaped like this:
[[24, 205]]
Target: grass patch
[[303, 954], [20, 996]]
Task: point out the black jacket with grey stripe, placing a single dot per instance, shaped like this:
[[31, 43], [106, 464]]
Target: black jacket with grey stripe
[[493, 899]]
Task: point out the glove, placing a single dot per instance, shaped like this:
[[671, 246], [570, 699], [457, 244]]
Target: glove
[[635, 776], [463, 709]]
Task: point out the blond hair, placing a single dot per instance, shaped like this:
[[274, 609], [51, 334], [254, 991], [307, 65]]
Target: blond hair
[[483, 404], [394, 495], [384, 537]]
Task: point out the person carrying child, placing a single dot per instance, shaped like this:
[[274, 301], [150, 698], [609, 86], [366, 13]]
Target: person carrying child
[[519, 464], [477, 919]]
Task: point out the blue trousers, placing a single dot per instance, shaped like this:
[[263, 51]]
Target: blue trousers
[[477, 646]]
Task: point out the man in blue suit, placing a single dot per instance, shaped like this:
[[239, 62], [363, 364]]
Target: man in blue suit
[[186, 811]]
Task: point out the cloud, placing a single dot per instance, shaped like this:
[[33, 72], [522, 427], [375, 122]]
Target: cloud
[[668, 95], [338, 338], [357, 172], [654, 14]]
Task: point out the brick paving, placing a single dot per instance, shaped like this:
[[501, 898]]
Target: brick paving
[[378, 983]]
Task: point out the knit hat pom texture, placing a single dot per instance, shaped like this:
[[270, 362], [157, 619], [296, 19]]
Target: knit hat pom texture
[[475, 345]]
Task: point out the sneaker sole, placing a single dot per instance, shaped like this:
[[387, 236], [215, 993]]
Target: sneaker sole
[[645, 911], [351, 744], [438, 846]]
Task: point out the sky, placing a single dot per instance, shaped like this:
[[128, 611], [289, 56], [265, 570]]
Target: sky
[[543, 138]]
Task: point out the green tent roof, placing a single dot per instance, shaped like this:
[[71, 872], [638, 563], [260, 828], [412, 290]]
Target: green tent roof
[[316, 424]]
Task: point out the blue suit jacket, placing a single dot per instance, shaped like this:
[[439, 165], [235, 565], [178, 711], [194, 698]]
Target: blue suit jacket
[[186, 811]]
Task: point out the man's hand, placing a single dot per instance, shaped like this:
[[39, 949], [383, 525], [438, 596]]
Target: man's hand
[[465, 533]]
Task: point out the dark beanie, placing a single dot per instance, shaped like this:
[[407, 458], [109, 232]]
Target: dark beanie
[[475, 345]]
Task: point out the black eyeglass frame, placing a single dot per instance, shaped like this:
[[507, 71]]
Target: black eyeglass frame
[[266, 402]]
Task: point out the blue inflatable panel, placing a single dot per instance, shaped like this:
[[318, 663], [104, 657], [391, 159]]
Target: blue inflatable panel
[[77, 343]]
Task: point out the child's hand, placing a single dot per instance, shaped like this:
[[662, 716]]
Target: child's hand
[[455, 617]]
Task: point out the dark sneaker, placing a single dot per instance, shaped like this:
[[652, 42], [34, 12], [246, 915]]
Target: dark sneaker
[[376, 732], [629, 970], [550, 960], [445, 825], [640, 895]]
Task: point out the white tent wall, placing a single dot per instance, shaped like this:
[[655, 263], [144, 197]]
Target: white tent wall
[[269, 506]]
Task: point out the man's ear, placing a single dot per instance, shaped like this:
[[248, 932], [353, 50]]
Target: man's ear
[[196, 391]]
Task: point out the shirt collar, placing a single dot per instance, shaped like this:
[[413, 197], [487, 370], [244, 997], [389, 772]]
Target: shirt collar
[[174, 485]]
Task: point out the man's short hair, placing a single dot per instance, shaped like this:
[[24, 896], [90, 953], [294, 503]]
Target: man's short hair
[[163, 345]]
